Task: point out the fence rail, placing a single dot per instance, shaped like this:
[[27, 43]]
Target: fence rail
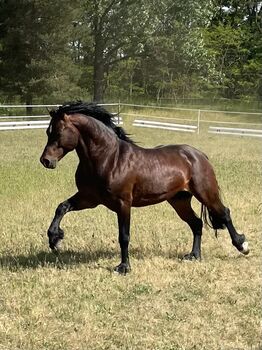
[[235, 131], [31, 124], [189, 109], [162, 125], [24, 116]]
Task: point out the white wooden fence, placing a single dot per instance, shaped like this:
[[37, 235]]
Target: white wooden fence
[[117, 119], [30, 124], [235, 131], [163, 125]]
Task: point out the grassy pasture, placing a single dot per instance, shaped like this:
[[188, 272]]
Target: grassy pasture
[[76, 302]]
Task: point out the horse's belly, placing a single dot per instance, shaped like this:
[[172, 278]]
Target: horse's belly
[[155, 189], [149, 200], [156, 194]]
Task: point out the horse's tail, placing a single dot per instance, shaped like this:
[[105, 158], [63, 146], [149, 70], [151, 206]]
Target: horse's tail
[[211, 220]]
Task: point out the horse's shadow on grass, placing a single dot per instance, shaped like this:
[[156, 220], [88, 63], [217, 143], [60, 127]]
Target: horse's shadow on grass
[[59, 260], [68, 258]]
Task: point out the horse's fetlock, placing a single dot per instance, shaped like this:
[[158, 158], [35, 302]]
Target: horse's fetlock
[[238, 242]]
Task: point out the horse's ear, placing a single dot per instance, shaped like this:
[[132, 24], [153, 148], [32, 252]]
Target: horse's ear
[[52, 113]]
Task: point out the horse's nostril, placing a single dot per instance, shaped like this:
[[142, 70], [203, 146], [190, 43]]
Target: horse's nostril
[[45, 162]]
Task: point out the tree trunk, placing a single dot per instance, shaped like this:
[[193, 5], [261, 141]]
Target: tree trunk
[[98, 81], [99, 66]]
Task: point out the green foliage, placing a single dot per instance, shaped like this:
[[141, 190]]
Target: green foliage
[[234, 39], [35, 55], [130, 49]]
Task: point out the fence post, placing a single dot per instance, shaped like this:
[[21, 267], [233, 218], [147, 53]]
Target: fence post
[[118, 112], [198, 121]]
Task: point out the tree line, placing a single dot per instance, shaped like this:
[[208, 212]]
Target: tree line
[[129, 49]]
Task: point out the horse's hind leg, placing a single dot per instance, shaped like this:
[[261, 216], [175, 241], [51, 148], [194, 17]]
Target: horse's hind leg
[[220, 217], [207, 192], [238, 240], [182, 205]]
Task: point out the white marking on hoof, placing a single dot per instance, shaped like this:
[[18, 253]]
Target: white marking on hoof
[[245, 249], [58, 247]]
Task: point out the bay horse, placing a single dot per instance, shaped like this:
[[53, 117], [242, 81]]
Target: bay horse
[[119, 174]]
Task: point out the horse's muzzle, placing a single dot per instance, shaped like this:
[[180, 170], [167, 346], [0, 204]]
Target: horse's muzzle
[[47, 163]]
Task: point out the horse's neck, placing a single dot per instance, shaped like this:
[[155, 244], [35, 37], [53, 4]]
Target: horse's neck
[[97, 144]]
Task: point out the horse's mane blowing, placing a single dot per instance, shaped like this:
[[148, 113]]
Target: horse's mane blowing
[[92, 110]]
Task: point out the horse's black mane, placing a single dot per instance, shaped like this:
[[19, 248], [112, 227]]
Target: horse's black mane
[[92, 110]]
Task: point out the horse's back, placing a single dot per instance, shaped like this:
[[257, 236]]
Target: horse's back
[[177, 150]]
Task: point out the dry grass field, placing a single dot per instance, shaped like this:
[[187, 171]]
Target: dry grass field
[[75, 301]]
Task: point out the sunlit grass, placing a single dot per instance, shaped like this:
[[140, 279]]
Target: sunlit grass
[[74, 301]]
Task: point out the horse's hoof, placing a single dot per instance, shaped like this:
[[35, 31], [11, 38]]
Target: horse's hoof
[[55, 246], [241, 244], [245, 249], [55, 239], [191, 257], [122, 269]]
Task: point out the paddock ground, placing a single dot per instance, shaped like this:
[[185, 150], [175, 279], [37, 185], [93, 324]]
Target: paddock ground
[[77, 302]]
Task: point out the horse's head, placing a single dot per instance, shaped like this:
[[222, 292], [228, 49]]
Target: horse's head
[[62, 138]]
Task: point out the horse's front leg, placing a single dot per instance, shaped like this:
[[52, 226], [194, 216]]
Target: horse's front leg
[[77, 202], [123, 216], [55, 233]]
